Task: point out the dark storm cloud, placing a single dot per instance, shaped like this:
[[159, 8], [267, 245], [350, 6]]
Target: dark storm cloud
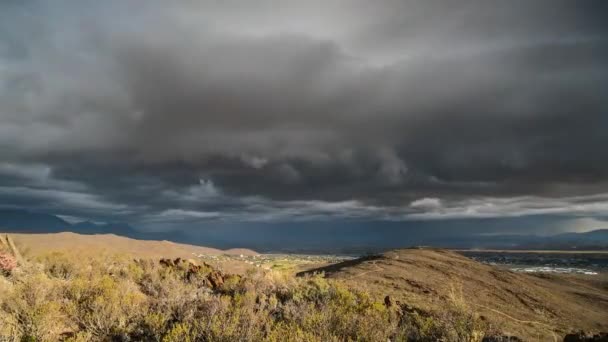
[[259, 110]]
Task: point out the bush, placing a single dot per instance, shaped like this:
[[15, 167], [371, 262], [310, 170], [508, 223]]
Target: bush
[[115, 298], [59, 265], [33, 309], [104, 307]]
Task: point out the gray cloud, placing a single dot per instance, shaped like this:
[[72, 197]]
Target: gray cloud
[[310, 108]]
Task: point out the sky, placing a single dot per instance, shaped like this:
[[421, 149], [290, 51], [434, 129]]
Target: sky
[[174, 114]]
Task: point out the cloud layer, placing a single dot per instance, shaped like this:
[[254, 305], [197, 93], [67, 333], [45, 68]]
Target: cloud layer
[[158, 111]]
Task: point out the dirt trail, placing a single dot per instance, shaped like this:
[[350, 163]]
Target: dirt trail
[[548, 327], [378, 269]]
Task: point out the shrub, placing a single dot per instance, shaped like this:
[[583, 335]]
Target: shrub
[[115, 298], [181, 332], [59, 265], [104, 307], [33, 304]]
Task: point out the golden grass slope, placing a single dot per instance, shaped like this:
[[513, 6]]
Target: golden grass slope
[[534, 307], [39, 244]]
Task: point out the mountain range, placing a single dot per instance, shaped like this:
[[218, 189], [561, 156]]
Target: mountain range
[[310, 239], [23, 221]]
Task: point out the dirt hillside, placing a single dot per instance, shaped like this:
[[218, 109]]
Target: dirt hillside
[[533, 307]]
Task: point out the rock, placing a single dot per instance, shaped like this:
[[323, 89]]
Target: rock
[[166, 262], [388, 302], [204, 275], [216, 279]]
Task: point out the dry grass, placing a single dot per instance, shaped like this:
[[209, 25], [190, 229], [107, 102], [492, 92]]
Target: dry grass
[[104, 296], [534, 307], [38, 244], [58, 297]]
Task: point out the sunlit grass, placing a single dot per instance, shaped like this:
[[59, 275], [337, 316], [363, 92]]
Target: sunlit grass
[[112, 297]]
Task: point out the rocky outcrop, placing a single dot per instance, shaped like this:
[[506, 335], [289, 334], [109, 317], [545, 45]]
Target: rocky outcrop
[[216, 279], [204, 274]]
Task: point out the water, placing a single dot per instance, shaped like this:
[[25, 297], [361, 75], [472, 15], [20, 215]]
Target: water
[[548, 269], [544, 262]]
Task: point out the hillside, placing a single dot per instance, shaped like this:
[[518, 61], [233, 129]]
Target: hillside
[[524, 305], [406, 294], [38, 244], [59, 298]]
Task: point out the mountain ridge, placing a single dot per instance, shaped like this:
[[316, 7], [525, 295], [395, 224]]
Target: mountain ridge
[[96, 244], [24, 221]]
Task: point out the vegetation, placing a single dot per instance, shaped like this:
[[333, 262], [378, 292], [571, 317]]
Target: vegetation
[[7, 263], [111, 298]]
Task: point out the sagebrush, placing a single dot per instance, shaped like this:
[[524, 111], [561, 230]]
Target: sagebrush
[[113, 298]]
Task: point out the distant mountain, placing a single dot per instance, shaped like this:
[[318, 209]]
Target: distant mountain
[[23, 221], [81, 244], [30, 222], [591, 240], [88, 227], [595, 239], [314, 237], [598, 235]]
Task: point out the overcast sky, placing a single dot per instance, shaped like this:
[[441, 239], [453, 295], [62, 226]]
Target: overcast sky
[[163, 113]]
